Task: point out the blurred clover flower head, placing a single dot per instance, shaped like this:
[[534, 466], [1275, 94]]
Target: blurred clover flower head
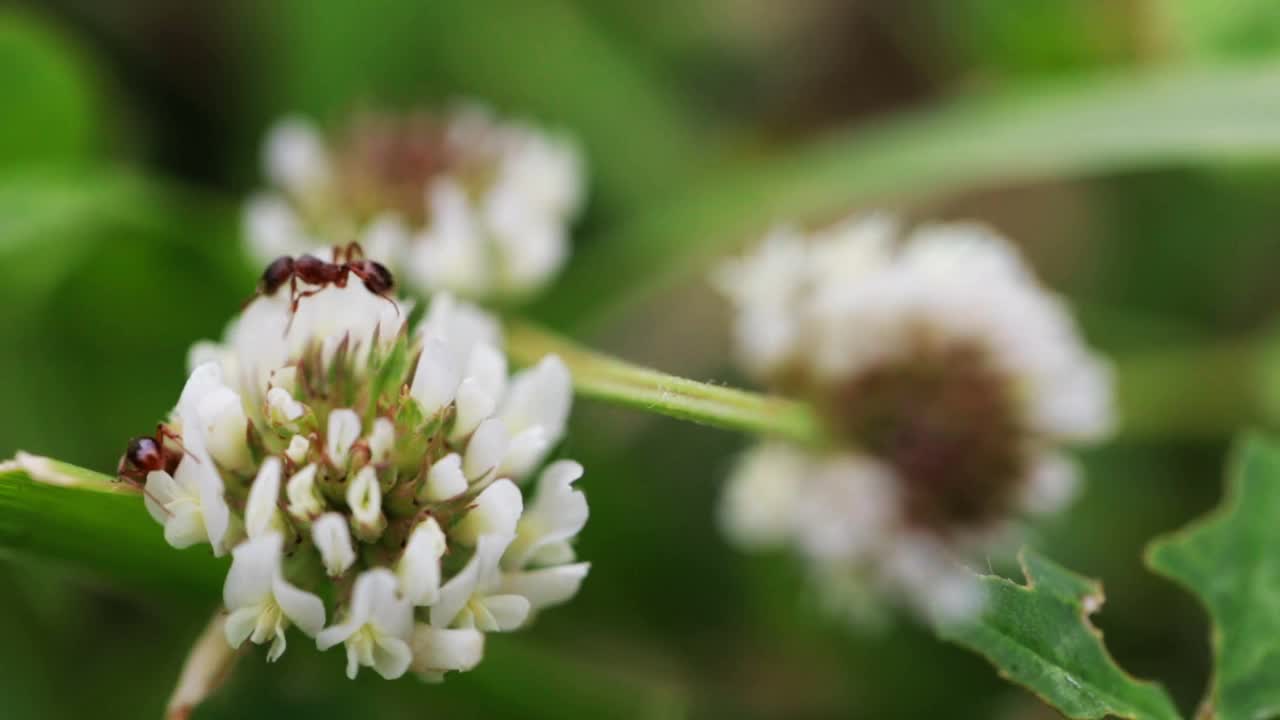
[[949, 380], [458, 202], [368, 479]]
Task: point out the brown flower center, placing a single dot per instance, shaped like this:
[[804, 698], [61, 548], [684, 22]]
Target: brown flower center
[[945, 419], [387, 162]]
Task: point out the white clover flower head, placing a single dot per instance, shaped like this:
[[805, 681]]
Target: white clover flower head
[[949, 380], [457, 201], [367, 470]]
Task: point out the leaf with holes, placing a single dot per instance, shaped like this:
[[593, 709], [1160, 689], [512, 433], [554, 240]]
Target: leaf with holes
[[1231, 561], [1038, 635]]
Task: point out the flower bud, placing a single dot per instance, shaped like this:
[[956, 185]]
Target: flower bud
[[304, 502], [419, 566], [333, 540], [445, 480], [364, 497], [282, 409], [261, 514], [344, 430]]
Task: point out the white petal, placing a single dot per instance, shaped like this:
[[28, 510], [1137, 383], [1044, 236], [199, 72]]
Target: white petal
[[558, 513], [304, 501], [540, 397], [254, 564], [382, 440], [185, 527], [261, 513], [365, 594], [272, 229], [435, 382], [450, 254], [301, 607], [391, 613], [162, 491], [295, 156], [445, 479], [241, 624], [364, 496], [419, 566], [196, 472], [488, 367], [225, 425], [333, 541], [344, 430], [204, 379], [502, 613], [282, 408], [528, 448], [391, 657], [485, 450], [495, 511], [455, 593], [474, 405], [385, 239], [1053, 483], [548, 586], [758, 505], [461, 326], [299, 447], [437, 650]]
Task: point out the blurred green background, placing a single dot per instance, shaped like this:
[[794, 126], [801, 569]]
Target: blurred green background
[[130, 131]]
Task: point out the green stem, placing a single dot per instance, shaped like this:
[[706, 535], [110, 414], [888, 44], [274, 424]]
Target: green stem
[[1200, 391], [601, 377]]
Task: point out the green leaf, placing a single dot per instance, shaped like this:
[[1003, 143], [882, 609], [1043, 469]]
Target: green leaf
[[50, 113], [84, 521], [1225, 28], [107, 278], [1230, 561], [1039, 636], [1105, 124]]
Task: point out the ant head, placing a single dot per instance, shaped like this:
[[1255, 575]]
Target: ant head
[[144, 453], [275, 275], [377, 278]]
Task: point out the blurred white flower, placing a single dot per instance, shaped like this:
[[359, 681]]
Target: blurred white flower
[[458, 201], [949, 379]]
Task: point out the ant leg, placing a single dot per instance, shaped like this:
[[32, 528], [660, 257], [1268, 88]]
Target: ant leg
[[164, 433], [293, 302], [303, 296], [143, 488], [354, 251], [131, 477], [394, 304]]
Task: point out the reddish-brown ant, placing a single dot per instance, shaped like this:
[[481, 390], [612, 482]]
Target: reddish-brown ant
[[144, 455], [348, 261]]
